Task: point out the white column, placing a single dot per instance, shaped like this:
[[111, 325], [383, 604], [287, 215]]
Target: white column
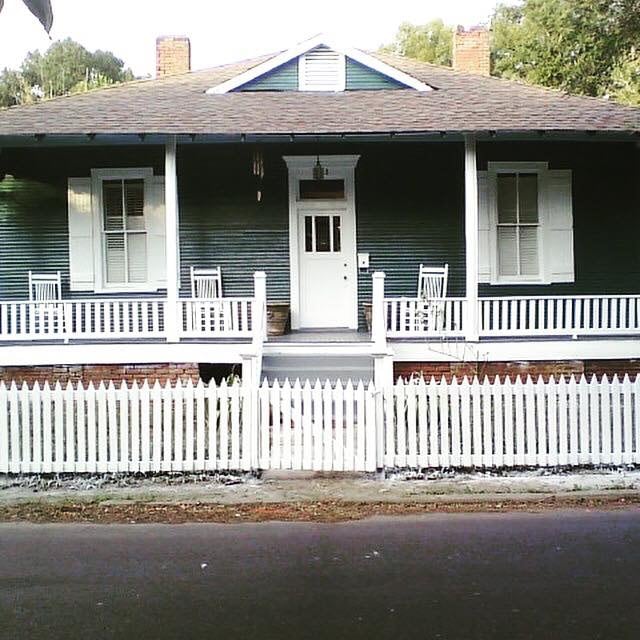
[[471, 327], [259, 308], [171, 318]]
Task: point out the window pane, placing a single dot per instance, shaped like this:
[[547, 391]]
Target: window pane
[[507, 197], [321, 189], [528, 195], [337, 240], [507, 251], [308, 234], [114, 258], [112, 204], [322, 233], [134, 203], [529, 251], [137, 257]]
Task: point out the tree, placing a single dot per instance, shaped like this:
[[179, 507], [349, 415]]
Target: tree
[[41, 9], [430, 42], [66, 67], [575, 45]]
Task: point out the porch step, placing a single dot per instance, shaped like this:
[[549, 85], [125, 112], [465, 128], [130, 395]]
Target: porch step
[[329, 367]]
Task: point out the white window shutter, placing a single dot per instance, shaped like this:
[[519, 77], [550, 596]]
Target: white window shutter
[[155, 223], [484, 228], [81, 259], [558, 226]]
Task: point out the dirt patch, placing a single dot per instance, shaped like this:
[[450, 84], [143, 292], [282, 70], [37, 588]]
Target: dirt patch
[[322, 511]]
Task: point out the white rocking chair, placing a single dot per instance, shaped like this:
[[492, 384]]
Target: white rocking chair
[[206, 294], [432, 290], [47, 315]]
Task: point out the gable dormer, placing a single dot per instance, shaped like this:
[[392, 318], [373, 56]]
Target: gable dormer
[[321, 65]]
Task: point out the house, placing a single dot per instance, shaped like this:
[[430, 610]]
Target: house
[[321, 177]]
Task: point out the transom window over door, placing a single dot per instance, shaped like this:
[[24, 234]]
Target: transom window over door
[[124, 232], [518, 225]]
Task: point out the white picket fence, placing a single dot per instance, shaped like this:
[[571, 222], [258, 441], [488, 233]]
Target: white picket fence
[[415, 424]]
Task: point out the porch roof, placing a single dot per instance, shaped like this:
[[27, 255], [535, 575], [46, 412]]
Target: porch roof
[[179, 104]]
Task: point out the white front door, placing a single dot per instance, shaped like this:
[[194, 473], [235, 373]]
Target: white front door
[[322, 241], [326, 257]]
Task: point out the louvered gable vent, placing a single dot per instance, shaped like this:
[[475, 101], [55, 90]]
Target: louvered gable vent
[[321, 69]]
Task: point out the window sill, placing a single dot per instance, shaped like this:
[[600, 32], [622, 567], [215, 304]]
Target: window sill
[[145, 288]]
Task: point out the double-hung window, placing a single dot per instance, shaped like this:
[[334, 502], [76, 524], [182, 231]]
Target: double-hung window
[[124, 234], [518, 225], [525, 224]]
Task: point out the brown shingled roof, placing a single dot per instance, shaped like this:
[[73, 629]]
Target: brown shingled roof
[[179, 104]]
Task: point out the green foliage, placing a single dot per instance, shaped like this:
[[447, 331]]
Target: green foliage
[[66, 67], [574, 45], [625, 79], [430, 42], [13, 89]]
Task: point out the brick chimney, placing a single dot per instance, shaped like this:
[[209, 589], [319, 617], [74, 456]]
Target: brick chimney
[[471, 50], [173, 55]]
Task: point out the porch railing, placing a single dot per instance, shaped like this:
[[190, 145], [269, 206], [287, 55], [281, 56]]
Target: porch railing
[[82, 319], [416, 318], [515, 316], [224, 317], [560, 315]]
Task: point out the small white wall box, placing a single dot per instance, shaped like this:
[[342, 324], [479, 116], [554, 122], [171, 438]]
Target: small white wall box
[[363, 260]]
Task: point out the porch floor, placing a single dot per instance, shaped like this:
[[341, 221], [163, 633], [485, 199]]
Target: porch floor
[[310, 336]]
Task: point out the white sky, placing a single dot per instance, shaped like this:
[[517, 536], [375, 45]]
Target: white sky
[[220, 31]]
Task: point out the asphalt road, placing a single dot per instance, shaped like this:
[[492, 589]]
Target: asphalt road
[[550, 575]]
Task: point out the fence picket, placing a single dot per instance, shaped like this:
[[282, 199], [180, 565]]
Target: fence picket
[[327, 424], [605, 421], [317, 426], [177, 463], [338, 450], [14, 444], [234, 461], [125, 427], [412, 434], [275, 402], [465, 422], [627, 456], [4, 429], [454, 403], [134, 464], [296, 418], [616, 423], [307, 427], [563, 457], [360, 456], [487, 430], [423, 425], [189, 423], [530, 405], [286, 425], [25, 424], [509, 458]]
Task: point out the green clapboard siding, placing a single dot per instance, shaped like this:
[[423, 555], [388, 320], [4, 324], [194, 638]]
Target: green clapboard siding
[[410, 206], [360, 77], [282, 78], [33, 233], [223, 224]]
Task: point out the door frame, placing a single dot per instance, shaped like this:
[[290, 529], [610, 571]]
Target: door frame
[[338, 167]]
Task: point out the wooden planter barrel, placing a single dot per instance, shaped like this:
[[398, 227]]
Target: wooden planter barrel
[[277, 316]]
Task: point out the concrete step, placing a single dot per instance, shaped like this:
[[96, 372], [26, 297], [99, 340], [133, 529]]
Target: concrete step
[[332, 368]]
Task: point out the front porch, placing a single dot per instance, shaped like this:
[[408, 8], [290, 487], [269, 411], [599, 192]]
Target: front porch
[[399, 204]]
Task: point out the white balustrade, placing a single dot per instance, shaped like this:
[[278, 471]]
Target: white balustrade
[[560, 315], [419, 318], [220, 317]]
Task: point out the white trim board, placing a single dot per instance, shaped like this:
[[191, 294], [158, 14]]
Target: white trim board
[[516, 350], [307, 45]]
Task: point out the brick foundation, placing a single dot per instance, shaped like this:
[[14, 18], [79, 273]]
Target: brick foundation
[[101, 372], [522, 368]]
